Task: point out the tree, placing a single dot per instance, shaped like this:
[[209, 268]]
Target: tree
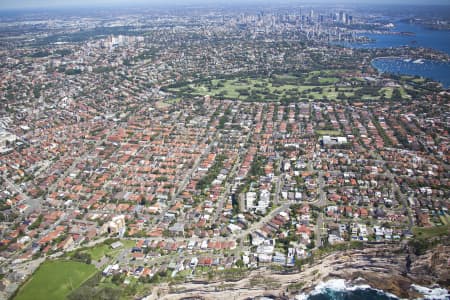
[[82, 257], [117, 279], [240, 263], [396, 95]]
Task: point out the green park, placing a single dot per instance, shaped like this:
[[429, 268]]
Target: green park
[[332, 85], [55, 280]]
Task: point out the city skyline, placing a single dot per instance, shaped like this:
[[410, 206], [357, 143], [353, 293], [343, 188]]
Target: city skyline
[[49, 4]]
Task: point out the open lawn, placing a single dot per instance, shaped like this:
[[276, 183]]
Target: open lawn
[[328, 80], [387, 91], [316, 85], [255, 89], [329, 132], [55, 280], [97, 252], [428, 233], [404, 93]]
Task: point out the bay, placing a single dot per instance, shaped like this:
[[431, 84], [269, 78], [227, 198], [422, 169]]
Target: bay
[[435, 70], [423, 37], [418, 36]]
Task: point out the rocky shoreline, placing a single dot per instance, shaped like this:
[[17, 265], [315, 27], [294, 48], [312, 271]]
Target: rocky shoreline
[[391, 268]]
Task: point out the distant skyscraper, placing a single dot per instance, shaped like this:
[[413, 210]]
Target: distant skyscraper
[[341, 16], [350, 19]]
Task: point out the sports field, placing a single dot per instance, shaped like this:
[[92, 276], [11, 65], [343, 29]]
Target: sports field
[[55, 280]]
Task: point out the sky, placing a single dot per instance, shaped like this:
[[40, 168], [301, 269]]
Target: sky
[[16, 4]]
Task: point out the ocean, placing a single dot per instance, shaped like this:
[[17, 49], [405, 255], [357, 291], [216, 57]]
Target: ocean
[[338, 289]]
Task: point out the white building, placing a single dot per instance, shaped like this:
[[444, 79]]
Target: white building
[[115, 226], [335, 140]]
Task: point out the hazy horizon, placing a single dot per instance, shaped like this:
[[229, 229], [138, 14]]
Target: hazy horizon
[[49, 4]]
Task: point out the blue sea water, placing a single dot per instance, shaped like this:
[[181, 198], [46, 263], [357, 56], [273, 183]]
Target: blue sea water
[[436, 70], [358, 294], [339, 289], [427, 38]]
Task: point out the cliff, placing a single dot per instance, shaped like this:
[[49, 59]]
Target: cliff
[[389, 267], [392, 268]]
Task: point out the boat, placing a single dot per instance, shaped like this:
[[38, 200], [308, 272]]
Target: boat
[[407, 33], [418, 61]]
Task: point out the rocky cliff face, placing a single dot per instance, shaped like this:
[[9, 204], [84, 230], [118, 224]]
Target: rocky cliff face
[[392, 268], [389, 267], [432, 267]]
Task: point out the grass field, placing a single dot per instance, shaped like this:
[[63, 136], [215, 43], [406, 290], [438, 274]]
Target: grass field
[[55, 280], [97, 252], [428, 233], [329, 132], [261, 89], [316, 85], [387, 91]]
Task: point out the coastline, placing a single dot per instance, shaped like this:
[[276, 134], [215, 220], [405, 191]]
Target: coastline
[[431, 69], [382, 267]]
